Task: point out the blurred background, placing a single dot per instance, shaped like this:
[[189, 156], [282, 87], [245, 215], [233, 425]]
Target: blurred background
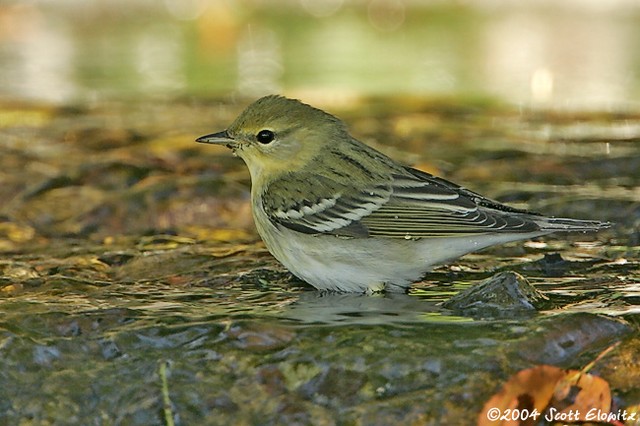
[[576, 54]]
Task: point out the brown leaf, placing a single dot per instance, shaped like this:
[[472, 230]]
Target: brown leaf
[[529, 389], [580, 393], [547, 392]]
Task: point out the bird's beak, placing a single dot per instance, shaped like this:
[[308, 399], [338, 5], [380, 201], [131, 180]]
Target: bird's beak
[[220, 138]]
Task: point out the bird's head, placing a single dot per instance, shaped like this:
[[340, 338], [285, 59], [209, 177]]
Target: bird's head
[[275, 135]]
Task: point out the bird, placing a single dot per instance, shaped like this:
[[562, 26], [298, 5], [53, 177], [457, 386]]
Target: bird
[[344, 217]]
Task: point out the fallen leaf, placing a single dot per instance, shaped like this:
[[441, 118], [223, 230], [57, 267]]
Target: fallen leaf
[[581, 393], [529, 389], [551, 393]]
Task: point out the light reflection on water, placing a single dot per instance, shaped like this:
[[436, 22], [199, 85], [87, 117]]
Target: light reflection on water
[[572, 56], [147, 302]]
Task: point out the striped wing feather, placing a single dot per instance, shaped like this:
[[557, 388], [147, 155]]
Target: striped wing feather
[[412, 204]]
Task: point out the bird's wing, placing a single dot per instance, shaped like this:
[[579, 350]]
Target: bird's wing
[[410, 204], [328, 207], [422, 205]]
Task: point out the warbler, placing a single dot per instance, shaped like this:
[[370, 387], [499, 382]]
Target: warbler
[[343, 216]]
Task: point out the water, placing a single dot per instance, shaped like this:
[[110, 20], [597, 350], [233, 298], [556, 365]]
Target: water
[[126, 246], [582, 54]]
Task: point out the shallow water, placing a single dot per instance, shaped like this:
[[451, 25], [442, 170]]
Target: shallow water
[[127, 246], [128, 256]]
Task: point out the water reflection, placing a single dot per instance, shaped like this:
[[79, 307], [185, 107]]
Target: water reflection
[[36, 56], [571, 54], [259, 62], [386, 15], [158, 53], [554, 58], [186, 9], [329, 308]]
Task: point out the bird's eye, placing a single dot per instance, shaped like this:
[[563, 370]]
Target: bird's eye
[[265, 136]]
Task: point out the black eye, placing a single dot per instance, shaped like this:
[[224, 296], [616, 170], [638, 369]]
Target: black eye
[[265, 136]]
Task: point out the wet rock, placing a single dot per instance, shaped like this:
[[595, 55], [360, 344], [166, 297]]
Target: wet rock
[[6, 339], [62, 211], [17, 271], [265, 278], [50, 184], [551, 265], [12, 234], [505, 294], [169, 202], [186, 338], [413, 408], [101, 139], [634, 238], [621, 368], [45, 355], [113, 175], [254, 337], [69, 328], [109, 349], [334, 383], [296, 412], [223, 403], [433, 366], [562, 339], [161, 265], [116, 258], [273, 379]]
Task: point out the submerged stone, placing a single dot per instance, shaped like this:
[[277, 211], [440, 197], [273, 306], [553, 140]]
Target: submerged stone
[[334, 383], [561, 339], [502, 295], [551, 265]]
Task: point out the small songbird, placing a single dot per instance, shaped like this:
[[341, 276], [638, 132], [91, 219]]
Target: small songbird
[[345, 217]]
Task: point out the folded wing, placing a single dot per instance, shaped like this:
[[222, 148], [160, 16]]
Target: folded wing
[[410, 204]]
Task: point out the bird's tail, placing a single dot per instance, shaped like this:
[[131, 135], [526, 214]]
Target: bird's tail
[[560, 224]]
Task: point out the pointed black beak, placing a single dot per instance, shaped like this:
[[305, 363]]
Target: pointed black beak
[[220, 138]]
